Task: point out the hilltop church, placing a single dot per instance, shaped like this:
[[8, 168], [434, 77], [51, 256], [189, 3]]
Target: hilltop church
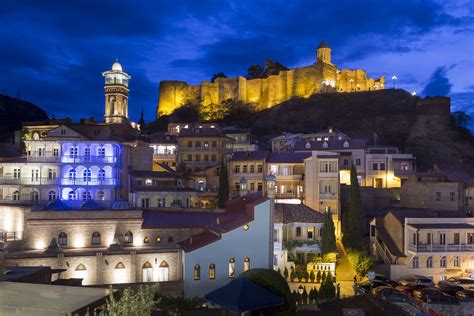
[[320, 77]]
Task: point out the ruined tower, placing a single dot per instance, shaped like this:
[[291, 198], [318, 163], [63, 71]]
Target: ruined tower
[[116, 94]]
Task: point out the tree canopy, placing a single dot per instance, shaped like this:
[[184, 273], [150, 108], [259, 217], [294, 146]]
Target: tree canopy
[[352, 217]]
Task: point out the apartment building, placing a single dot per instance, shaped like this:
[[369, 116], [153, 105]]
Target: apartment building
[[164, 150], [242, 138], [250, 165]]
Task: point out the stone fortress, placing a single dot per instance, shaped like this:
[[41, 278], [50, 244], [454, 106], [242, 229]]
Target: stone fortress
[[320, 77]]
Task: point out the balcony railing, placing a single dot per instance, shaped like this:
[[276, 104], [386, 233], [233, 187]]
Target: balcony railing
[[88, 181], [441, 248], [328, 196], [28, 181], [6, 236], [73, 204], [57, 181], [88, 159]]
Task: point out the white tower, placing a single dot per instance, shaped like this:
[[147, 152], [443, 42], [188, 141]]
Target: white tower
[[116, 94]]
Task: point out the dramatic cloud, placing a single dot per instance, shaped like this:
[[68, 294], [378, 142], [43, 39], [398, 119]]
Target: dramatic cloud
[[53, 52]]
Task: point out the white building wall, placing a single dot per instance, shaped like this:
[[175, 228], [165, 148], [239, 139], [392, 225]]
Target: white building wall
[[237, 244]]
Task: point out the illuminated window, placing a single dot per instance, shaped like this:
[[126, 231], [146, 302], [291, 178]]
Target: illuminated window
[[101, 174], [72, 173], [86, 195], [246, 264], [212, 271], [72, 195], [170, 239], [147, 270], [310, 233], [197, 272], [128, 237], [81, 267], [87, 153], [101, 152], [120, 265], [87, 175], [158, 239], [52, 195], [16, 196], [146, 240], [73, 152], [231, 268], [34, 195], [442, 262], [96, 238], [62, 239], [100, 196]]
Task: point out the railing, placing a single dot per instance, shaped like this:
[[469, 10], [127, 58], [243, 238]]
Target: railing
[[382, 251], [57, 181], [327, 196], [164, 156], [73, 204], [88, 159], [403, 173], [6, 236], [45, 158], [89, 181], [29, 181], [442, 248]]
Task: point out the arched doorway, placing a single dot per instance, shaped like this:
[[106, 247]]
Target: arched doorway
[[163, 271], [147, 272]]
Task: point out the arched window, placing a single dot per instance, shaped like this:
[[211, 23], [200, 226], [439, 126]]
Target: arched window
[[101, 152], [146, 240], [72, 195], [16, 195], [170, 239], [34, 195], [231, 268], [429, 262], [87, 153], [62, 239], [120, 265], [87, 175], [415, 263], [197, 272], [86, 195], [128, 237], [101, 174], [246, 264], [158, 239], [147, 272], [442, 262], [96, 238], [163, 271], [212, 271], [72, 173], [52, 195], [81, 267], [457, 262], [100, 196]]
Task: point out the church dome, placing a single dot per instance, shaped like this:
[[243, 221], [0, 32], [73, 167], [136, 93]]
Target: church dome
[[117, 66]]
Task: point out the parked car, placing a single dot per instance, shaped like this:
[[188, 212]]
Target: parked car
[[389, 293], [449, 288], [367, 286], [408, 289], [416, 279], [434, 295], [465, 295], [381, 277], [465, 283]]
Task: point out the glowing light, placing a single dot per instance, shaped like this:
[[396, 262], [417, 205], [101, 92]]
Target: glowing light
[[394, 77], [413, 93], [40, 245], [79, 241], [246, 227]]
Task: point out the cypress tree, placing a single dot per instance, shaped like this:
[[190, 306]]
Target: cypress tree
[[328, 238], [223, 195], [353, 218], [318, 277]]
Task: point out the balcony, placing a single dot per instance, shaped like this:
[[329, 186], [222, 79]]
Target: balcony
[[442, 248], [46, 158], [88, 159], [328, 196], [88, 181], [170, 157], [28, 181], [403, 173]]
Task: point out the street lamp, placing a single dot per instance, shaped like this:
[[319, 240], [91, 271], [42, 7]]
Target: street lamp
[[394, 79], [271, 180], [351, 81], [413, 93], [243, 186]]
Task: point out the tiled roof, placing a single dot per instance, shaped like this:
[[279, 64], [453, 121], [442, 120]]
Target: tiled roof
[[332, 144], [403, 212], [296, 213], [249, 155], [287, 157], [458, 172], [162, 137]]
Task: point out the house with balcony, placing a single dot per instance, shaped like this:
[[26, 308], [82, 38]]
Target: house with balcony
[[433, 243], [250, 165], [164, 150], [297, 234], [242, 138]]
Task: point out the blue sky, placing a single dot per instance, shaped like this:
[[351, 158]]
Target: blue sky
[[53, 52]]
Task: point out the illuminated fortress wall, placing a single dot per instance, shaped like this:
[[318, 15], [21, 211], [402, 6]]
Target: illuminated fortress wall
[[321, 77]]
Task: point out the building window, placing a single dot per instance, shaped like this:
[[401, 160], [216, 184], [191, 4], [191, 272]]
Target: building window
[[145, 202], [375, 166], [80, 267], [382, 166], [429, 262], [87, 153], [214, 144], [170, 239], [442, 239], [197, 272], [51, 173], [55, 152], [190, 144], [415, 263], [101, 152], [212, 271], [310, 233], [158, 239], [252, 186], [34, 195], [259, 187], [101, 174], [452, 196], [438, 196], [72, 195], [128, 238], [244, 168], [86, 195], [87, 175], [62, 239], [457, 262], [16, 173], [346, 162], [120, 265], [100, 196], [259, 168], [358, 162], [73, 152], [96, 238], [63, 132], [298, 231], [206, 157], [231, 268], [213, 158], [146, 240], [206, 144], [252, 169], [52, 195], [147, 271], [237, 169], [72, 173], [246, 264], [16, 196], [442, 262], [456, 238]]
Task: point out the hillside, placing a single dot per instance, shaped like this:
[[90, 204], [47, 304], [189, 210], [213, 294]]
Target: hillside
[[14, 111]]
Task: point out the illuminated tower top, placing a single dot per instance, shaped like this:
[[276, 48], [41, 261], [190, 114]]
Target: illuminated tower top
[[323, 53], [116, 94]]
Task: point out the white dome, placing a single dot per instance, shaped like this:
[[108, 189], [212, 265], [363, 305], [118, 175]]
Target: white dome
[[116, 66]]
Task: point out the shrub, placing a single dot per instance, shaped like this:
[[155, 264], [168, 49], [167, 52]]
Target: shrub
[[312, 276], [318, 276], [361, 262]]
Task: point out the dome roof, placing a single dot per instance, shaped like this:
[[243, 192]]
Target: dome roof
[[117, 66], [323, 45], [56, 205], [121, 205]]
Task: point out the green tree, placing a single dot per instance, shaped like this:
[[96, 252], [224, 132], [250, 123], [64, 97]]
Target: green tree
[[273, 68], [312, 276], [353, 222], [223, 195], [318, 276], [254, 72], [296, 296], [304, 296], [218, 75], [323, 276], [313, 295], [285, 273], [328, 238], [132, 303], [306, 275], [213, 112]]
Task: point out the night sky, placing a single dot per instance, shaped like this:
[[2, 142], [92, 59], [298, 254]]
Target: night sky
[[53, 52]]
